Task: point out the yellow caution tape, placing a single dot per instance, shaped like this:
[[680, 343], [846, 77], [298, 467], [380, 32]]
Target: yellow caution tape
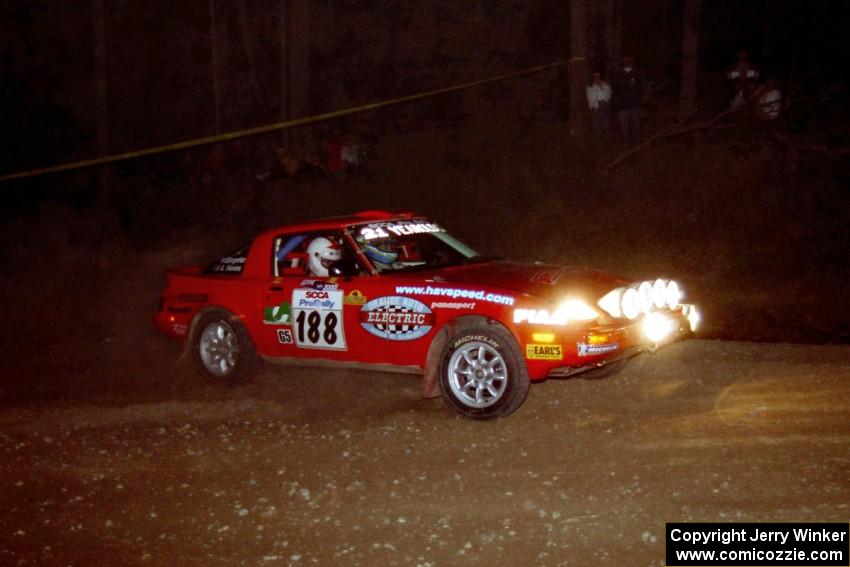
[[269, 127]]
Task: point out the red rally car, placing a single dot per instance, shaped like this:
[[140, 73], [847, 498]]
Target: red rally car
[[397, 292]]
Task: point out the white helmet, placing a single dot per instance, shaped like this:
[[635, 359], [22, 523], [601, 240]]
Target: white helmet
[[322, 253]]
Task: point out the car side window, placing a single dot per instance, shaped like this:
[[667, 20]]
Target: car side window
[[311, 254], [231, 264], [290, 255]]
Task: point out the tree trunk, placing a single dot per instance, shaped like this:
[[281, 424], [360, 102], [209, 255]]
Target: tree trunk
[[594, 48], [248, 44], [690, 58], [101, 92], [214, 70], [285, 79], [613, 30], [299, 65], [578, 72]]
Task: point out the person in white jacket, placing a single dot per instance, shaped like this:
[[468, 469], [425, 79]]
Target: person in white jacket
[[599, 102]]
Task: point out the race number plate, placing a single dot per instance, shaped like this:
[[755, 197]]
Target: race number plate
[[317, 319]]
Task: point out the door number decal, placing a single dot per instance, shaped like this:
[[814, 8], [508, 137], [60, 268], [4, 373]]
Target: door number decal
[[317, 319]]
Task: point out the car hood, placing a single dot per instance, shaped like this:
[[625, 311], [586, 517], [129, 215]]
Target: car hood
[[545, 281]]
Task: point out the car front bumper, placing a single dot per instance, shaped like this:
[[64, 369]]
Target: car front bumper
[[550, 352]]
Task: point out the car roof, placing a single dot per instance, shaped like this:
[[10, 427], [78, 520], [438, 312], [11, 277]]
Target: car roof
[[338, 222]]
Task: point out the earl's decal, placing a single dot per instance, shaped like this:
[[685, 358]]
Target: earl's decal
[[544, 352]]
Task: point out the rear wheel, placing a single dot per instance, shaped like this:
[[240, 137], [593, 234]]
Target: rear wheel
[[222, 349], [482, 373]]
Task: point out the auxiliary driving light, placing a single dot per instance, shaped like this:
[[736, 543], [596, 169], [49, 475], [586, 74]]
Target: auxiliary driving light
[[629, 303], [644, 292], [673, 294], [659, 293], [611, 302], [656, 327], [694, 318]]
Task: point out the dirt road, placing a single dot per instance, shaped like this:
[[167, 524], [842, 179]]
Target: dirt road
[[307, 467]]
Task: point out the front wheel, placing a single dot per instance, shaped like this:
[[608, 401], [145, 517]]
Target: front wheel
[[222, 349], [482, 373]]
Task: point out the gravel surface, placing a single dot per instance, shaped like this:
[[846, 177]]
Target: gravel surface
[[310, 467]]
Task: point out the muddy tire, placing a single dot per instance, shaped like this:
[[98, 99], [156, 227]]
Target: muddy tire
[[482, 373], [222, 350]]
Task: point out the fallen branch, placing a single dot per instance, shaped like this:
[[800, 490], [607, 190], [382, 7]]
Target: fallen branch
[[675, 130]]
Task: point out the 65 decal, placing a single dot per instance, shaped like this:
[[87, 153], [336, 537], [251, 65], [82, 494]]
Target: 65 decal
[[317, 319], [396, 318]]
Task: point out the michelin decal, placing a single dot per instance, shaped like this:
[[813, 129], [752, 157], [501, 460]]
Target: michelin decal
[[585, 349]]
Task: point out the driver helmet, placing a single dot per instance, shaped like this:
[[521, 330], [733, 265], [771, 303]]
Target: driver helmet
[[322, 253], [382, 255]]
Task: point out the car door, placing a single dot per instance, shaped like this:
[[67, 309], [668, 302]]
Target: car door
[[313, 316], [357, 317]]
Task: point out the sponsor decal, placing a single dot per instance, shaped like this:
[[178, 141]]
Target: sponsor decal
[[476, 338], [180, 329], [444, 305], [455, 293], [317, 319], [534, 316], [535, 351], [317, 299], [318, 284], [355, 298], [284, 336], [396, 318], [401, 228], [548, 276], [230, 264], [278, 314], [585, 349], [229, 268]]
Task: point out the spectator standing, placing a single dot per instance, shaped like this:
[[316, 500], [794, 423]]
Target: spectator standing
[[333, 146], [598, 101], [628, 95], [767, 100], [741, 73]]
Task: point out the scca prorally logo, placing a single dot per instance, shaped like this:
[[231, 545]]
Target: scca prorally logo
[[396, 318]]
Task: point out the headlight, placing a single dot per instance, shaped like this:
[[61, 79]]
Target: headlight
[[656, 327], [629, 303], [574, 310], [644, 292], [673, 295], [610, 302], [694, 318], [659, 293]]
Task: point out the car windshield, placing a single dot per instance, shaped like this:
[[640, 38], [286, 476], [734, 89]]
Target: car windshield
[[403, 245]]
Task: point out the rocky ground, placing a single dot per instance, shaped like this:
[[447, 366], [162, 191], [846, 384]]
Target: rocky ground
[[115, 453], [310, 467]]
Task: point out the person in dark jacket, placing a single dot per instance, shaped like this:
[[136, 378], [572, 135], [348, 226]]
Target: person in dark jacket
[[628, 95]]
